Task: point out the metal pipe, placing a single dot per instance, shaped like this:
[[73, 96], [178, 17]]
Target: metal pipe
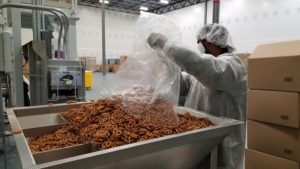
[[2, 123], [43, 17], [63, 19], [205, 12], [4, 12], [103, 38], [216, 11]]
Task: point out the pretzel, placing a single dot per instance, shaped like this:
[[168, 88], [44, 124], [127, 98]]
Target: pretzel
[[117, 121]]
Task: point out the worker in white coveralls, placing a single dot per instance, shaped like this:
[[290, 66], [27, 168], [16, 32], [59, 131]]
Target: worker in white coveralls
[[215, 82]]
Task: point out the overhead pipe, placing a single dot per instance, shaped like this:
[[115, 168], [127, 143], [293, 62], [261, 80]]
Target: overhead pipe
[[216, 11], [64, 20], [103, 37], [205, 12]]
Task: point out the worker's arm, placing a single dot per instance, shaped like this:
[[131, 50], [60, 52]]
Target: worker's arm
[[210, 71], [185, 84]]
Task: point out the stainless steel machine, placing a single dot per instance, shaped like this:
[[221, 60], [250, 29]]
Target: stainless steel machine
[[37, 50], [177, 151], [39, 61], [66, 81]]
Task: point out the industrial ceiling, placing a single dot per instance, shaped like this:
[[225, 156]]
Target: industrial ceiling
[[134, 6]]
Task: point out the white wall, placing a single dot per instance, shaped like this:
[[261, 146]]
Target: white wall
[[250, 22], [120, 33], [254, 22], [190, 20]]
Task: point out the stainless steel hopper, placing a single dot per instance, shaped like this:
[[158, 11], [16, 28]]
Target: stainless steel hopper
[[178, 151]]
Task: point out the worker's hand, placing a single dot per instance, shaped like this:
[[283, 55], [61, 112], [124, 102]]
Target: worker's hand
[[157, 40]]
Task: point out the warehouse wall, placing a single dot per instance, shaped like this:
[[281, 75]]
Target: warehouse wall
[[251, 22], [190, 20], [120, 33], [254, 22]]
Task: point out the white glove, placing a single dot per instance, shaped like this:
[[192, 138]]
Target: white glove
[[157, 40]]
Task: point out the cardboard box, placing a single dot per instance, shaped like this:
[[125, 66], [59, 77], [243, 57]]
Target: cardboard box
[[276, 140], [259, 160], [122, 59], [106, 68], [275, 67], [98, 68], [274, 107], [111, 67], [90, 62], [115, 68]]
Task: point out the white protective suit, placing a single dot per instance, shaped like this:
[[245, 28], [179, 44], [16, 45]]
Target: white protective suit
[[217, 85]]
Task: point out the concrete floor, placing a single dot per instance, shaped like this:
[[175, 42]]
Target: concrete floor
[[10, 157], [100, 82]]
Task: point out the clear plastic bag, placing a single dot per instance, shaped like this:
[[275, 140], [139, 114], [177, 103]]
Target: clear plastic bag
[[148, 78]]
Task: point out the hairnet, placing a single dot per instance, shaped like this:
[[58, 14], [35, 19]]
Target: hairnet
[[218, 35]]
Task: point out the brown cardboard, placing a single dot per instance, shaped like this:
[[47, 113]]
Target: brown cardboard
[[115, 68], [90, 62], [106, 68], [111, 67], [275, 67], [98, 68], [275, 140], [122, 59], [281, 108], [259, 160]]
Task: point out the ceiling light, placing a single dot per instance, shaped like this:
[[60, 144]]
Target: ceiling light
[[105, 1], [142, 8], [198, 9], [164, 1]]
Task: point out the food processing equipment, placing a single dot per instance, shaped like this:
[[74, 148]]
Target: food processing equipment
[[38, 51], [66, 80], [177, 151]]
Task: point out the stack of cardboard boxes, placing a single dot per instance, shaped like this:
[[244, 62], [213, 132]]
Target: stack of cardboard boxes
[[99, 68], [112, 65], [274, 107], [122, 59], [90, 62]]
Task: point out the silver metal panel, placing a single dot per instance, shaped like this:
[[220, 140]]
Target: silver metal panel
[[72, 41], [8, 52], [178, 151], [34, 132], [66, 63], [27, 122], [40, 110], [17, 75], [39, 48], [1, 52], [63, 153]]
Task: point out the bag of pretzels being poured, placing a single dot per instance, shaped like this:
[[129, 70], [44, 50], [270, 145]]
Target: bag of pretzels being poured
[[149, 81]]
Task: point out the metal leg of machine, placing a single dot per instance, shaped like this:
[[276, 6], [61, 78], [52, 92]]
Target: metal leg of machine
[[2, 123], [214, 158]]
